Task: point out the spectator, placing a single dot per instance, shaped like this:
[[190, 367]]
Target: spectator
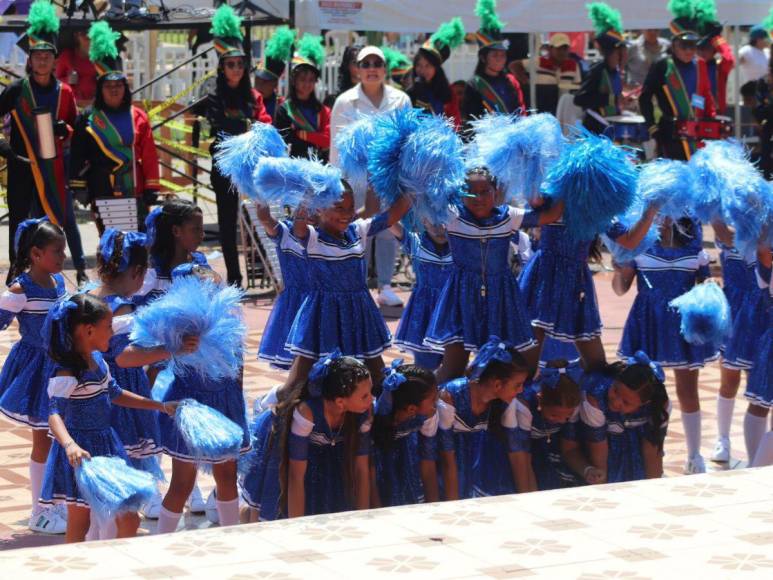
[[74, 68], [557, 74], [371, 96], [753, 57], [647, 49], [348, 73]]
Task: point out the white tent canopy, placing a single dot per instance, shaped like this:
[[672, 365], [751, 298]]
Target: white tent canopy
[[411, 16]]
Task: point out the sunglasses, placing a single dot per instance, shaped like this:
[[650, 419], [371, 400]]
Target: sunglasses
[[372, 64], [235, 64]]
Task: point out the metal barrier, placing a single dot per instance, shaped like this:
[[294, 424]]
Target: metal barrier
[[260, 254]]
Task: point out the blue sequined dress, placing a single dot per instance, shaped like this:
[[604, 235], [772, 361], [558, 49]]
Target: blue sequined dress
[[27, 368]]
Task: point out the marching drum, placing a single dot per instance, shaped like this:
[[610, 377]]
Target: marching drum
[[627, 129]]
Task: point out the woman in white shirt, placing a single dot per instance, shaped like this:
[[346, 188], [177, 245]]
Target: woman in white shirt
[[753, 57]]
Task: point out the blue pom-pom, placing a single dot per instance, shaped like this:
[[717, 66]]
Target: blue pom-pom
[[391, 133], [111, 487], [596, 180], [705, 314], [669, 185], [208, 434], [519, 154], [295, 181], [237, 155], [486, 129], [353, 143], [748, 207], [198, 308], [149, 465], [432, 168], [623, 255], [164, 380]]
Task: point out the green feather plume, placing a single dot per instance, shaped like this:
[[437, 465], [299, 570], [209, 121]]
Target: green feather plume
[[681, 8], [395, 59], [450, 34], [280, 45], [706, 11], [310, 47], [226, 23], [604, 18], [103, 39], [490, 23], [42, 18], [768, 22]]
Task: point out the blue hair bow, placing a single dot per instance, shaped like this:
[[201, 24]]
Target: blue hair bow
[[392, 381], [57, 316], [23, 227], [550, 376], [320, 371], [641, 358], [130, 240], [494, 349], [150, 225]]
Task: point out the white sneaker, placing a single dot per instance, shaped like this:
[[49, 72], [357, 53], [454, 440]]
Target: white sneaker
[[695, 465], [152, 509], [387, 297], [49, 521], [195, 502], [721, 451], [211, 508]]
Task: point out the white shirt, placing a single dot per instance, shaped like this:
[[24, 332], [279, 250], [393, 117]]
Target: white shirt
[[753, 63], [353, 103]]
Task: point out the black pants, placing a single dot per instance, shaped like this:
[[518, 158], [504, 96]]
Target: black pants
[[228, 223], [22, 196]]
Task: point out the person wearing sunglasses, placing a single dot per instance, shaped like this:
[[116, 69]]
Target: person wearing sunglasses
[[230, 109], [371, 96]]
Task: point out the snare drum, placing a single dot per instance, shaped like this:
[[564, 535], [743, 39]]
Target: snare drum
[[627, 128], [705, 129]]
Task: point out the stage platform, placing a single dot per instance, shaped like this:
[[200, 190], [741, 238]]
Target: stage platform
[[718, 525]]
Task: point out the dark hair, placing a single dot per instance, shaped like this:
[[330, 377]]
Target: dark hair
[[341, 381], [565, 394], [174, 212], [90, 310], [685, 232], [36, 236], [291, 89], [480, 68], [419, 383], [238, 97], [99, 100], [138, 256], [595, 251], [641, 379], [438, 86], [344, 77]]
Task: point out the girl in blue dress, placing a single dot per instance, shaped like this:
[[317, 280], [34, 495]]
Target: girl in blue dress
[[339, 311], [670, 268], [557, 285], [37, 284], [625, 418], [295, 277], [432, 265], [473, 404], [481, 297], [748, 307], [260, 472], [81, 390], [759, 386], [404, 469], [325, 440]]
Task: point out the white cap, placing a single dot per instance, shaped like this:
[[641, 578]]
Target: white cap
[[559, 39], [370, 51]]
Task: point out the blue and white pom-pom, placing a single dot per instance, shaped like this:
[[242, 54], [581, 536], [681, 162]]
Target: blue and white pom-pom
[[195, 307], [518, 154], [208, 434], [668, 184], [596, 180], [705, 314], [714, 167], [111, 487], [749, 208], [237, 155], [392, 131], [484, 129], [630, 218], [432, 168], [298, 182], [353, 144]]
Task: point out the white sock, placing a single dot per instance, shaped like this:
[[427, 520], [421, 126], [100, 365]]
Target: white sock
[[724, 415], [36, 483], [753, 429], [108, 530], [692, 433], [93, 533], [167, 521], [764, 455], [228, 511]]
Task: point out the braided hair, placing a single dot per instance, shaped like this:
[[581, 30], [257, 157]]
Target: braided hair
[[39, 236], [109, 270]]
